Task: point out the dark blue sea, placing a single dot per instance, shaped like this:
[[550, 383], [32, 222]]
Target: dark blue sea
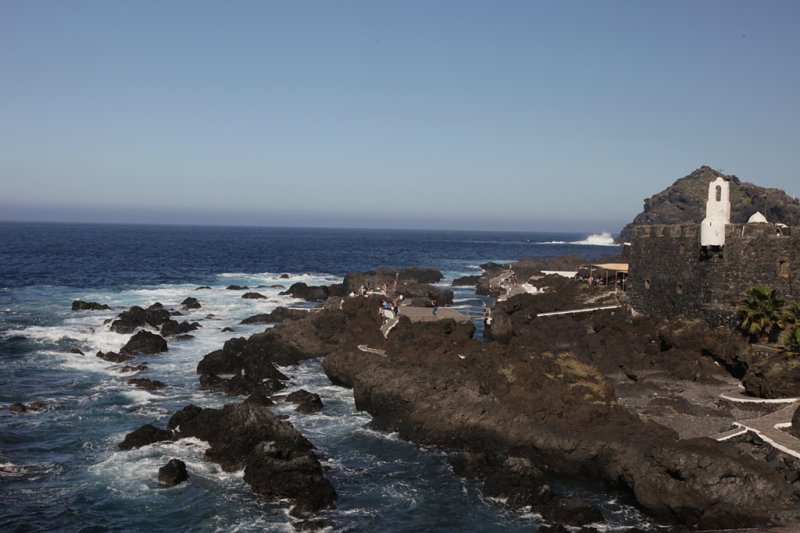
[[60, 468]]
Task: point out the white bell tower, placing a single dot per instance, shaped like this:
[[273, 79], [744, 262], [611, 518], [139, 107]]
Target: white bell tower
[[718, 214]]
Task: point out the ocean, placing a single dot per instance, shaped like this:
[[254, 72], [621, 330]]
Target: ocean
[[60, 468]]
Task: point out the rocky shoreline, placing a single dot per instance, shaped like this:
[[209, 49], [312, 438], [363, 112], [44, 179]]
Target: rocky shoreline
[[630, 401]]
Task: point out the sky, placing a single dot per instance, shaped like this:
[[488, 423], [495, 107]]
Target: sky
[[501, 115]]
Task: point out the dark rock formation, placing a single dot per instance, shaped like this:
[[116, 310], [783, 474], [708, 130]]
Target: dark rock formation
[[523, 484], [137, 368], [114, 357], [145, 435], [76, 351], [278, 461], [237, 287], [173, 473], [438, 387], [775, 377], [146, 383], [204, 287], [307, 402], [191, 303], [228, 330], [137, 317], [466, 281], [277, 471], [173, 327], [310, 293], [376, 279], [145, 342], [252, 360], [278, 315], [79, 305], [685, 201], [254, 296]]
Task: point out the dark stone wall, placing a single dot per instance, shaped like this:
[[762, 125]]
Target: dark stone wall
[[671, 275]]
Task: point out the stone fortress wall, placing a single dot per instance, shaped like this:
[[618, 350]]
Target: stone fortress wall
[[671, 274]]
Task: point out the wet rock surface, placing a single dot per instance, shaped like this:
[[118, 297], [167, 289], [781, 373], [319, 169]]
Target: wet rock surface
[[79, 305], [145, 342], [540, 397], [173, 473], [278, 315], [278, 461], [138, 317]]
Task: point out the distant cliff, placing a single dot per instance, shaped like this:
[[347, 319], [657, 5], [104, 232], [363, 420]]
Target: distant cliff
[[685, 202]]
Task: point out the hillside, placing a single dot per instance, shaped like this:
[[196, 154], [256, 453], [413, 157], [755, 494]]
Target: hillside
[[685, 201]]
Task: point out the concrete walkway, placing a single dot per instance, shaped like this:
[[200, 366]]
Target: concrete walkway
[[425, 314], [574, 311], [769, 427]]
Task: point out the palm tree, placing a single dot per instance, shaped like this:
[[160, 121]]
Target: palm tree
[[791, 342], [760, 309], [790, 318]]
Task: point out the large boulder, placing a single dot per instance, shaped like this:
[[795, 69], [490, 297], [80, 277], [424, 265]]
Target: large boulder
[[173, 473], [192, 302], [145, 342], [777, 376], [307, 402], [145, 435]]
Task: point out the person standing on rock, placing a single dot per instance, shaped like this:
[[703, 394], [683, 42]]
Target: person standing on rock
[[435, 304]]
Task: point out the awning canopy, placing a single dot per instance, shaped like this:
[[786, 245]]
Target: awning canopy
[[613, 267]]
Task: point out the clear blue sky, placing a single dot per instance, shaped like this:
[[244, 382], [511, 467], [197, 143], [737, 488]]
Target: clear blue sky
[[478, 115]]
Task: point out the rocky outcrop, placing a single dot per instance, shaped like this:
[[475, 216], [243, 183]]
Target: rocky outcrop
[[237, 287], [251, 361], [191, 302], [685, 202], [311, 293], [145, 342], [438, 387], [173, 473], [79, 305], [278, 461], [114, 357], [173, 327], [278, 315], [147, 383], [380, 277], [253, 296], [522, 484], [775, 377], [307, 402], [466, 281], [137, 317]]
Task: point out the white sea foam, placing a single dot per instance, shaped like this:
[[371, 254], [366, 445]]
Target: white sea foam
[[596, 239]]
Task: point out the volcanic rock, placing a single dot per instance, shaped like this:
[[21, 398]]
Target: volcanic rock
[[466, 281], [191, 303], [145, 342], [278, 315], [137, 368], [173, 327], [310, 293], [438, 387], [76, 351], [254, 296], [307, 402], [173, 473], [237, 287], [19, 407], [114, 357], [79, 305], [137, 317], [146, 383], [145, 435], [774, 377], [204, 287]]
